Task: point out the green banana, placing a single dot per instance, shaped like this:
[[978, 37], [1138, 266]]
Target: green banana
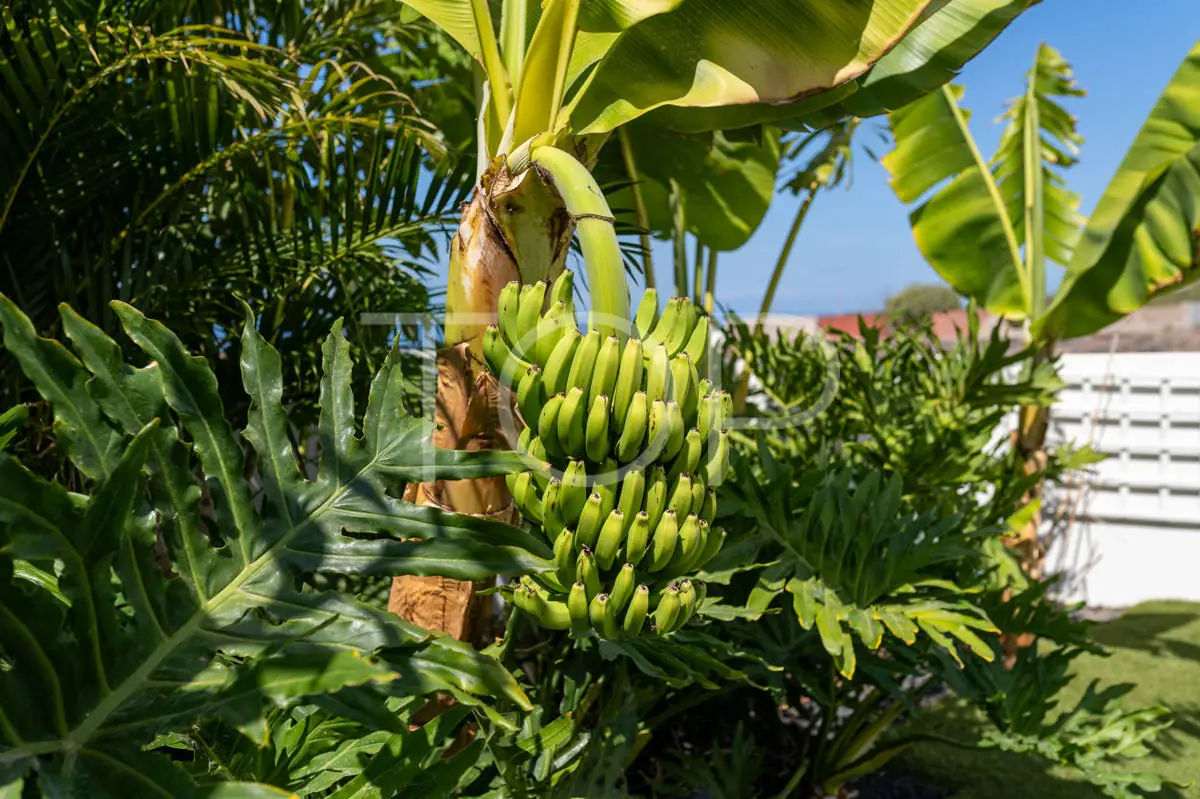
[[639, 606], [502, 361], [638, 538], [647, 314], [712, 545], [529, 395], [587, 573], [547, 426], [633, 434], [571, 422], [681, 331], [682, 386], [681, 495], [526, 496], [667, 612], [609, 541], [605, 484], [577, 609], [596, 434], [547, 613], [691, 543], [552, 520], [629, 500], [629, 381], [710, 418], [689, 455], [657, 371], [659, 431], [705, 386], [717, 466], [523, 440], [662, 547], [551, 327], [693, 395], [558, 365], [687, 604], [608, 364], [697, 343], [676, 431], [604, 621], [699, 489], [584, 363], [708, 508], [666, 322], [507, 305], [574, 492], [563, 288], [623, 586], [590, 518], [656, 494], [533, 296], [564, 557]]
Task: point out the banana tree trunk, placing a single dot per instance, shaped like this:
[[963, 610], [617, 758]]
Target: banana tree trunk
[[512, 229]]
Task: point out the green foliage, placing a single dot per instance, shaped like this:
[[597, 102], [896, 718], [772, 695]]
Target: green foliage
[[922, 299], [156, 598]]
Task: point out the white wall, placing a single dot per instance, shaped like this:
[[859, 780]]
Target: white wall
[[1132, 531]]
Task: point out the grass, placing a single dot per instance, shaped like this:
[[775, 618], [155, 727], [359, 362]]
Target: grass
[[1156, 646]]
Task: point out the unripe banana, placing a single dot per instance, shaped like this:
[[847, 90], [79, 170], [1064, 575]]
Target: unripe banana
[[633, 434], [525, 495], [629, 500], [563, 288], [705, 386], [666, 322], [605, 484], [558, 365], [662, 547], [693, 395], [547, 426], [552, 519], [647, 314], [676, 432], [574, 492], [577, 609], [523, 440], [596, 435], [590, 518], [691, 543], [687, 604], [638, 539], [697, 343], [604, 621], [587, 573], [689, 455], [713, 544], [608, 364], [584, 363], [639, 606], [710, 418], [657, 493], [717, 466], [708, 508], [507, 306], [681, 331], [689, 565], [529, 395], [564, 557], [551, 327], [572, 422], [657, 372], [681, 495], [623, 586], [667, 612], [682, 386], [532, 298], [547, 613], [629, 381], [659, 431], [502, 361], [612, 532]]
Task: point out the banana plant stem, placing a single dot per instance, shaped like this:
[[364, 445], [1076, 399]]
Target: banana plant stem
[[698, 273], [710, 285], [679, 238]]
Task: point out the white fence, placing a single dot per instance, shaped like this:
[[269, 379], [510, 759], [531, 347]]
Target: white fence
[[1131, 531]]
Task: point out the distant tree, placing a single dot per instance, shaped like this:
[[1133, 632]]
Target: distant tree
[[919, 299]]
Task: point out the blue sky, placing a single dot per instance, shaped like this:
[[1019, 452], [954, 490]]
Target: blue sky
[[856, 247]]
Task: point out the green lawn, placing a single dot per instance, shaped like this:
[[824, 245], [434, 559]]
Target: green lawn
[[1155, 645]]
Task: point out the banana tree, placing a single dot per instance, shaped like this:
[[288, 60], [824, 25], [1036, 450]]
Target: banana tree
[[556, 80], [989, 227]]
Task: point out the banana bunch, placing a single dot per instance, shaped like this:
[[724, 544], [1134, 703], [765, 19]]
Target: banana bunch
[[637, 444]]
